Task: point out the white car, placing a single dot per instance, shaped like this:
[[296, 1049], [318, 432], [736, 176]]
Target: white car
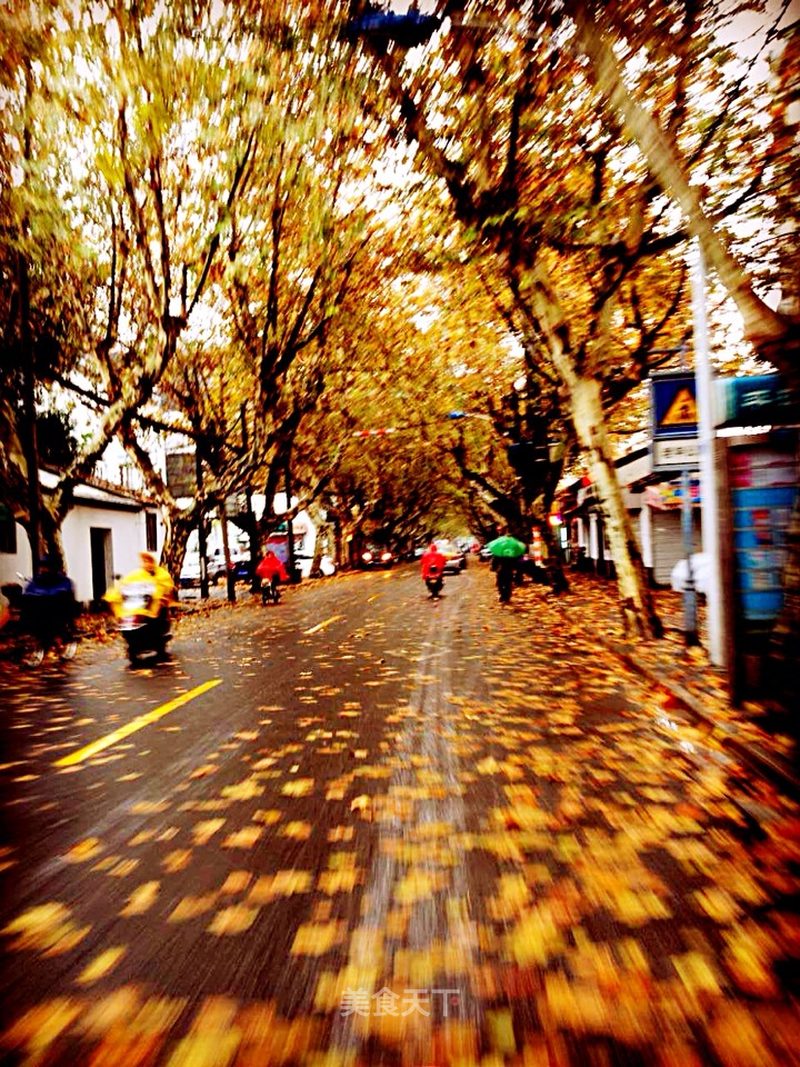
[[701, 566], [190, 571]]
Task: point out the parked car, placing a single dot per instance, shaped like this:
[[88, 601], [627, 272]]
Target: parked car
[[216, 566], [455, 559], [376, 556], [242, 567], [190, 571]]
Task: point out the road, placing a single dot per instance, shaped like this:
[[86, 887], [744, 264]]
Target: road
[[362, 827]]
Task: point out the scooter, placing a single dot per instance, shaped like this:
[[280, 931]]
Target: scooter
[[434, 581], [45, 612], [142, 616], [270, 591]]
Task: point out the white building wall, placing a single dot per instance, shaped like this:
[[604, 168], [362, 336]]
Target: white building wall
[[594, 539], [14, 563], [128, 539], [646, 535]]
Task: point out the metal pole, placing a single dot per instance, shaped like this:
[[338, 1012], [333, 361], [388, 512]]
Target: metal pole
[[709, 487], [689, 590], [255, 581], [230, 577], [201, 527], [289, 525]]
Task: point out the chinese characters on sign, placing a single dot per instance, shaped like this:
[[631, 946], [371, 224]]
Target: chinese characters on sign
[[387, 1002], [674, 422]]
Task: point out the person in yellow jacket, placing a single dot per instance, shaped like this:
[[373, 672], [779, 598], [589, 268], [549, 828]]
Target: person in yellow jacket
[[153, 569], [148, 571], [143, 616]]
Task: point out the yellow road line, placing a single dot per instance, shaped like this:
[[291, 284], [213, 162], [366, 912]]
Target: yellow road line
[[135, 724], [322, 625]]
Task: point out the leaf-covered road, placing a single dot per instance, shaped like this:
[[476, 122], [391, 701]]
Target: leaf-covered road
[[394, 832]]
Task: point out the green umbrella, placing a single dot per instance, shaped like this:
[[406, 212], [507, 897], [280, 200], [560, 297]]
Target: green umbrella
[[506, 547]]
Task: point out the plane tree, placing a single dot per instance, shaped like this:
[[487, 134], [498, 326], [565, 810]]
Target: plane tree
[[506, 117], [133, 135]]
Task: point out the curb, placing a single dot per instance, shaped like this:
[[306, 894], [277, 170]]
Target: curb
[[775, 772], [763, 764]]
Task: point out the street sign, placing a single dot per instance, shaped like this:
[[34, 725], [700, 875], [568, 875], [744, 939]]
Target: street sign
[[674, 405], [758, 400], [675, 453], [181, 474]]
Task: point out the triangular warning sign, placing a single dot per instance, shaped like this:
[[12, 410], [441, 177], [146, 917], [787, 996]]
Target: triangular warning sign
[[682, 411]]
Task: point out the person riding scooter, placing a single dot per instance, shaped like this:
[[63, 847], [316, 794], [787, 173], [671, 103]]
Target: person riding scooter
[[47, 611], [271, 571], [140, 602], [433, 563]]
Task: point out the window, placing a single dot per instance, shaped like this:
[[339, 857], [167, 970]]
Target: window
[[150, 531], [8, 532]]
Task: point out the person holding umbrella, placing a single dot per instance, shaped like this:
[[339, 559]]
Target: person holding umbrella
[[505, 551]]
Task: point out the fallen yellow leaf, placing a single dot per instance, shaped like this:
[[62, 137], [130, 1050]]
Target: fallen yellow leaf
[[101, 965], [299, 787], [282, 884], [245, 838], [300, 831], [84, 850], [177, 860], [233, 920], [202, 832], [141, 899]]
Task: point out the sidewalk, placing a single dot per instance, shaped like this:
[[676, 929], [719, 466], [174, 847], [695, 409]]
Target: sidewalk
[[686, 676]]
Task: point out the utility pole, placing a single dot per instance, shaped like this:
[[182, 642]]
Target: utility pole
[[230, 577], [251, 519], [289, 524], [201, 526], [709, 488]]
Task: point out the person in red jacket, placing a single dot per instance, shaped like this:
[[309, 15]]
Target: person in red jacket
[[433, 562], [271, 571]]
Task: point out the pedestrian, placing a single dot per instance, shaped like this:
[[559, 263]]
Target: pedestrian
[[505, 572], [505, 566]]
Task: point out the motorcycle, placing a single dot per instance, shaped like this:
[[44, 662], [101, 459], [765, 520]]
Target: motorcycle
[[140, 607]]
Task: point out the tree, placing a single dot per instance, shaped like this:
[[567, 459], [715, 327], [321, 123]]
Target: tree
[[144, 109], [607, 39], [570, 224]]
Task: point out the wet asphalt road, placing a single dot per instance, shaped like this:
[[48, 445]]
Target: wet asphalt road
[[391, 831]]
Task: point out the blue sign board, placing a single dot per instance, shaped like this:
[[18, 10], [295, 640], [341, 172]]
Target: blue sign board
[[757, 400], [674, 405]]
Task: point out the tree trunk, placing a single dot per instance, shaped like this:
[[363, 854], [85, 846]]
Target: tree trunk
[[337, 540], [556, 574], [50, 531], [584, 397], [179, 525], [638, 611]]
